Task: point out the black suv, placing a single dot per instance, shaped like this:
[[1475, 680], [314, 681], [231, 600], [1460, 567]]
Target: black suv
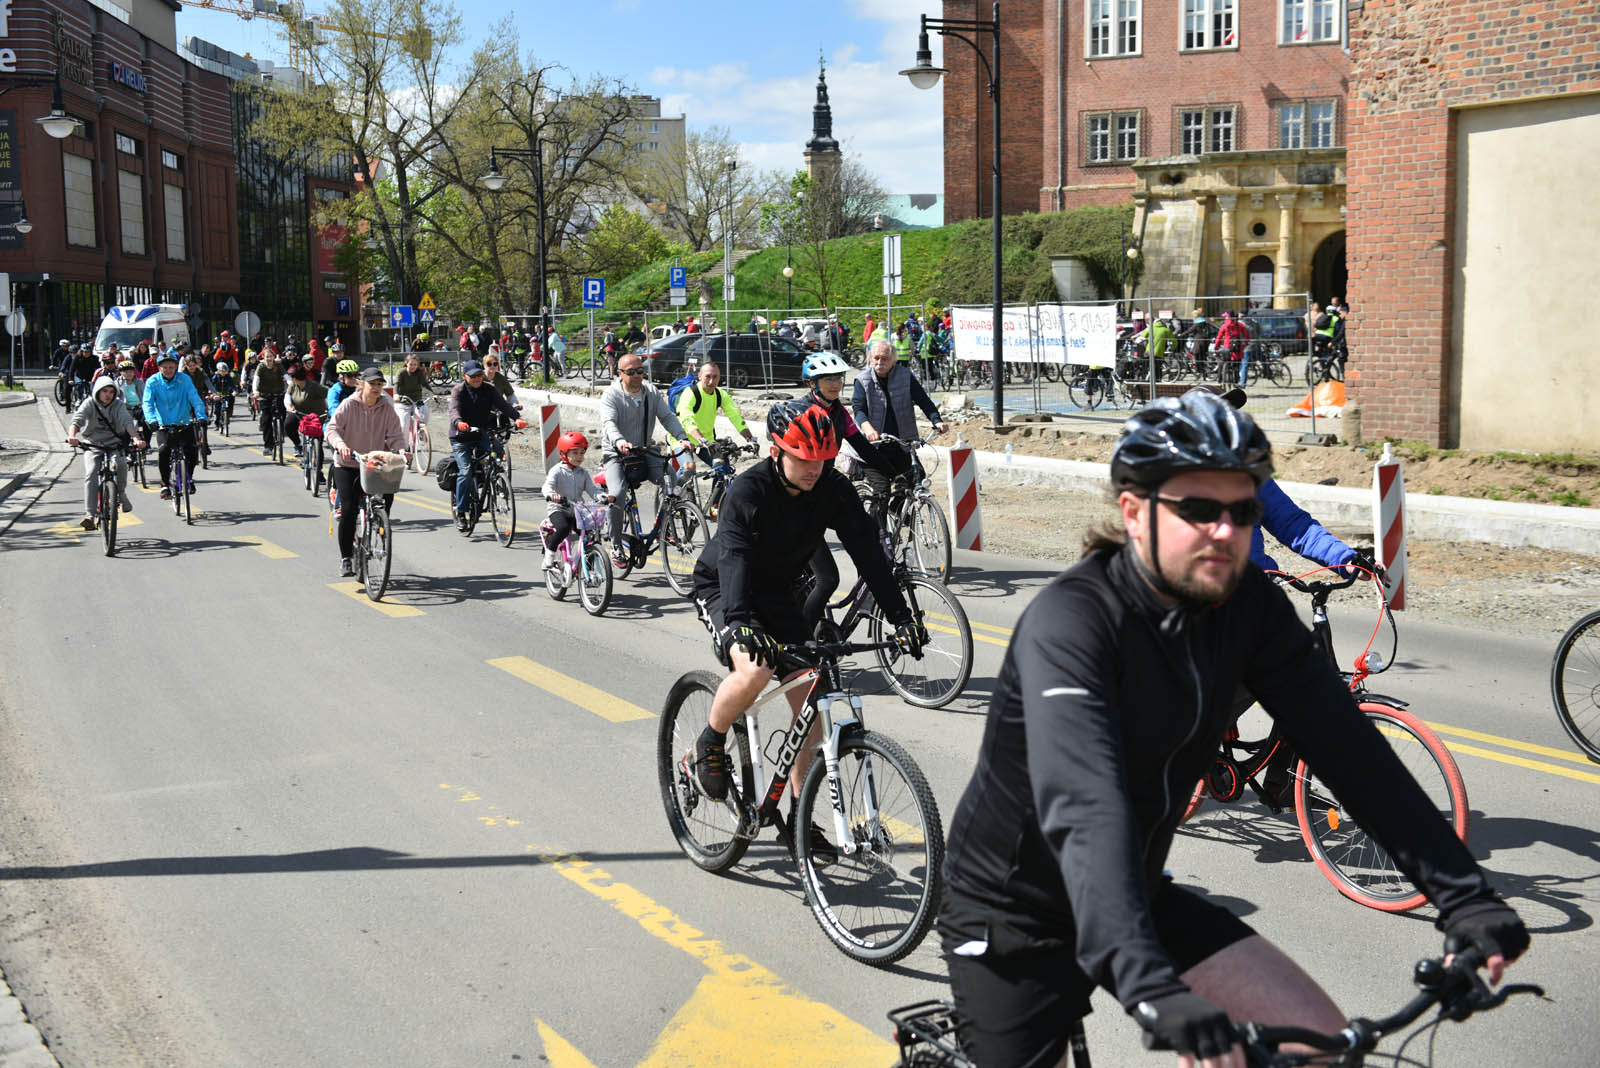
[[750, 359]]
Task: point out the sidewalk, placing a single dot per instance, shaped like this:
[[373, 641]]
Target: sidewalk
[[32, 453]]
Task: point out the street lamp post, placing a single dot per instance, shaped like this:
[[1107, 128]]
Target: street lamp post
[[494, 181], [727, 246], [1130, 258], [924, 75]]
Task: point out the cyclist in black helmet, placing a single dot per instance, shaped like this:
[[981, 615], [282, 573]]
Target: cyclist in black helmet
[[1113, 696]]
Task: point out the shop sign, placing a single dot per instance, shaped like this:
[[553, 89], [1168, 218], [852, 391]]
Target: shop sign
[[121, 72], [8, 56], [77, 58]]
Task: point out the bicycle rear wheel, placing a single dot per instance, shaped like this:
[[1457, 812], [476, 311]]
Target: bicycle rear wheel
[[502, 510], [180, 481], [1358, 867], [1575, 684], [706, 830], [875, 903], [422, 455], [110, 507], [64, 393], [936, 679], [683, 535], [376, 540], [594, 580]]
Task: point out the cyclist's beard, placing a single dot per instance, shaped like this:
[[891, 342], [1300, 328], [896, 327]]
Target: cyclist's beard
[[1197, 578]]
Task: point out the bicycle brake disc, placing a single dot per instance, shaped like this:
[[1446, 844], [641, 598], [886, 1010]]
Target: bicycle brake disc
[[1224, 782]]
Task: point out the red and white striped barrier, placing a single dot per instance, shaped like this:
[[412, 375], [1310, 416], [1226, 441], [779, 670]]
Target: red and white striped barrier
[[550, 431], [964, 509], [1389, 524]]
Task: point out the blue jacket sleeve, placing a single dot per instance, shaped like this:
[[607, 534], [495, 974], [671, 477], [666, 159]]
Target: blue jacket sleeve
[[1294, 527], [151, 412]]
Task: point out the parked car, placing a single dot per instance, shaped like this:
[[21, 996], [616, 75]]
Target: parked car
[[667, 359], [1279, 332], [751, 359]]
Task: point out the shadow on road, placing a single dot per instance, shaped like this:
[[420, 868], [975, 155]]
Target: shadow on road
[[208, 518], [1558, 899], [418, 592], [973, 582]]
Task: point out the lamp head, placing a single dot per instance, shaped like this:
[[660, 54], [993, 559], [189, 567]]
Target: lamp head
[[923, 74], [23, 226], [494, 181]]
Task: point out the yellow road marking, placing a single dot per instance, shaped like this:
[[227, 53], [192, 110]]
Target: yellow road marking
[[951, 629], [267, 548], [1524, 762], [354, 590], [1512, 743], [407, 498], [1007, 631], [572, 690]]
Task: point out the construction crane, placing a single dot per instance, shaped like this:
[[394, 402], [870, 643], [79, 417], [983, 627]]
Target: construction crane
[[292, 13]]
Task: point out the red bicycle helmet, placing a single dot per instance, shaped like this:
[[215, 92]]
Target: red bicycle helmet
[[803, 430], [570, 440]]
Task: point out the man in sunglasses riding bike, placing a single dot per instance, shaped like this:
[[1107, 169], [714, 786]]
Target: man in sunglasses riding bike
[[1112, 699], [773, 518]]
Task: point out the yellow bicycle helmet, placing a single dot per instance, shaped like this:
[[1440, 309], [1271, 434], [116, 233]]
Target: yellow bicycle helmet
[[348, 367]]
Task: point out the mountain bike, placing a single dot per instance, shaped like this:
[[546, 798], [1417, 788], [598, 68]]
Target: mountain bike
[[581, 558], [107, 498], [679, 528], [1089, 387], [918, 531], [443, 375], [182, 480], [1575, 684], [722, 454], [138, 456], [492, 486], [224, 414], [926, 1032], [418, 441], [941, 674], [1357, 866], [374, 536], [64, 392], [877, 899]]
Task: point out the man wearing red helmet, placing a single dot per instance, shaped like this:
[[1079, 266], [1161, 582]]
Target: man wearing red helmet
[[773, 518]]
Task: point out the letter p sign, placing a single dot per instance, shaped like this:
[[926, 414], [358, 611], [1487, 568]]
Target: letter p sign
[[594, 292]]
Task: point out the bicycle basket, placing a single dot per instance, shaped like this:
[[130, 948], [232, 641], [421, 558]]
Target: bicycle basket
[[590, 516], [382, 474], [635, 469]]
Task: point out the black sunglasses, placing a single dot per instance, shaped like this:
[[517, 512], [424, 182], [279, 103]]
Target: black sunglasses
[[1245, 513], [634, 371]]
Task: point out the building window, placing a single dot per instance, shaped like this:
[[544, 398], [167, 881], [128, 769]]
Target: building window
[[129, 145], [655, 127], [1111, 136], [1208, 24], [1209, 129], [174, 212], [1310, 21], [130, 208], [171, 160], [1113, 27], [1308, 124], [77, 175], [654, 145]]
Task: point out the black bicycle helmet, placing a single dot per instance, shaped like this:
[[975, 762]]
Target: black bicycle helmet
[[1198, 431]]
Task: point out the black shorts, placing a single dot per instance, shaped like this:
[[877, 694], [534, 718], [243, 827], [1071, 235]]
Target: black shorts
[[1015, 1009], [780, 615]]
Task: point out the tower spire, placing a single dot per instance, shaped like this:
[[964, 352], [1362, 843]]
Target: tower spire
[[821, 115]]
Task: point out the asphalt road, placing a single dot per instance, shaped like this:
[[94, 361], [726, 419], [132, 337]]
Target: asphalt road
[[253, 819]]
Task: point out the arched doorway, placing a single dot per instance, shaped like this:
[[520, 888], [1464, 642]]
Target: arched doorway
[[1258, 281], [1328, 275]]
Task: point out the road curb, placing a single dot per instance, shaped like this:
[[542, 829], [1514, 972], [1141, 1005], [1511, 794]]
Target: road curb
[[1434, 518], [13, 399], [21, 1044]]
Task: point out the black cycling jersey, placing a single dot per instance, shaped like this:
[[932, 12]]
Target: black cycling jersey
[[1100, 726], [766, 535]]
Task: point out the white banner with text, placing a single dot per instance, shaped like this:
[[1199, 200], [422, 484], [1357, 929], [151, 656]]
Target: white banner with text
[[1082, 334]]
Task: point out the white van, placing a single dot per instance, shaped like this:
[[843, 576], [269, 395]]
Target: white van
[[160, 324]]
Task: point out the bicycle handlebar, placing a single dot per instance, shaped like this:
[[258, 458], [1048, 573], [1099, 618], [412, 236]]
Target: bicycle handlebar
[[1322, 587]]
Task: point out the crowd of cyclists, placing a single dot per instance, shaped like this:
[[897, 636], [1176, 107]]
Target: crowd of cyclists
[[1121, 678]]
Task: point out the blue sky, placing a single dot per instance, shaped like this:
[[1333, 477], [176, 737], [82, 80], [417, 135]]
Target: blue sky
[[749, 66]]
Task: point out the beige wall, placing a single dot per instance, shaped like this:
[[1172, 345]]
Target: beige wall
[[1527, 231]]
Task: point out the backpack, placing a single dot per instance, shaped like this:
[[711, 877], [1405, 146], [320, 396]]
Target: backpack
[[675, 390], [448, 472]]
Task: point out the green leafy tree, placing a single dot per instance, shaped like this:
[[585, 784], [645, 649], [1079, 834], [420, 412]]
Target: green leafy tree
[[622, 242]]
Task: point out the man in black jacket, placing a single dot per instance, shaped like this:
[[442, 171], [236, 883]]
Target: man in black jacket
[[474, 405], [1113, 696]]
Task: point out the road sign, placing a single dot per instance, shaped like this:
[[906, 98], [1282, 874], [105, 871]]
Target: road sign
[[727, 289], [679, 300], [16, 322], [891, 264], [425, 315], [230, 304], [677, 277], [341, 305], [594, 292], [401, 315], [248, 324], [427, 302]]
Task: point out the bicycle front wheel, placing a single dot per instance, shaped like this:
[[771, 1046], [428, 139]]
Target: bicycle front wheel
[[594, 580], [683, 535], [708, 831], [1575, 684], [376, 540], [930, 538], [503, 510], [1357, 866], [422, 454], [936, 679], [109, 509], [876, 901]]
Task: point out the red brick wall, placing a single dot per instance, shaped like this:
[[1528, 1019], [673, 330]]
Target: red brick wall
[[968, 112], [1412, 62]]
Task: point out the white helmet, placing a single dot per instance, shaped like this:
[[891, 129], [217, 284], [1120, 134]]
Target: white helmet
[[823, 363]]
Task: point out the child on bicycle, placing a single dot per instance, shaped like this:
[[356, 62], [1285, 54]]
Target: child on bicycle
[[225, 385], [564, 486], [103, 420]]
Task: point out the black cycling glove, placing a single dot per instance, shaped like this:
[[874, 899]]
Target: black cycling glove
[[1490, 927], [1186, 1023], [757, 644], [1364, 560], [911, 637]]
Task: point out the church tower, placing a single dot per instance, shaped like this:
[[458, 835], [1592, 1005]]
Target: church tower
[[822, 151]]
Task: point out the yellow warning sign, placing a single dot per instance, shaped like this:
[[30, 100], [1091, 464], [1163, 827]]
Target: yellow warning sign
[[426, 302]]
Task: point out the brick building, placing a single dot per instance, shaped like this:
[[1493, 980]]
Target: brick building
[[138, 206], [1222, 120], [1474, 160]]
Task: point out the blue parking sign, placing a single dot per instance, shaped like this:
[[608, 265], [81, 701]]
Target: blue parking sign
[[341, 305], [594, 292], [677, 277]]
